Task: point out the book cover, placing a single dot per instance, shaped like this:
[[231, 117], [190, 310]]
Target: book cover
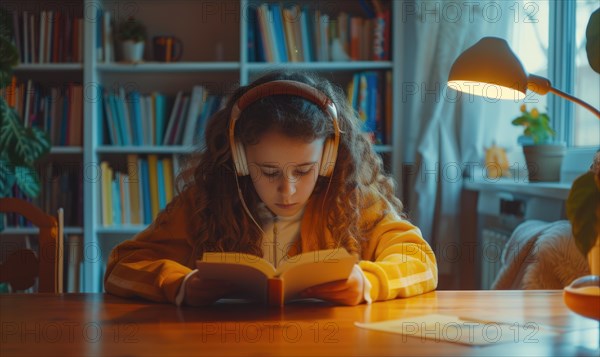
[[124, 117], [290, 39], [278, 31], [266, 47], [109, 119], [137, 112], [153, 183], [105, 194], [306, 35], [74, 252], [197, 100], [182, 115], [169, 178], [145, 191], [76, 115], [160, 179], [172, 126], [251, 42], [134, 188], [258, 279], [160, 107], [116, 199]]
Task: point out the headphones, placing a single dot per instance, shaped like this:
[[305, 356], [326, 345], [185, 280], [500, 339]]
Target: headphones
[[285, 87]]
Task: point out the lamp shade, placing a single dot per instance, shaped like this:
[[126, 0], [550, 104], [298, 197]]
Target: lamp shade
[[490, 69]]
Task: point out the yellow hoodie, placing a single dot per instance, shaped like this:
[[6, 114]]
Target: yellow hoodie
[[395, 258]]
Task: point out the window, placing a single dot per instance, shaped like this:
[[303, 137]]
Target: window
[[534, 32], [586, 127], [529, 41]]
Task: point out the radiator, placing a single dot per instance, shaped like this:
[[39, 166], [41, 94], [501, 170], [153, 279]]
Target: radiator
[[493, 242]]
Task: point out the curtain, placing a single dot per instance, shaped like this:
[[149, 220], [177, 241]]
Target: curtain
[[443, 131]]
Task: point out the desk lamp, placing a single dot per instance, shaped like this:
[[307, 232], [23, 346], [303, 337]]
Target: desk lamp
[[490, 69]]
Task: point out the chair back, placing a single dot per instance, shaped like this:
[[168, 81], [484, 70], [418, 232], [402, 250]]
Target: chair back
[[21, 267]]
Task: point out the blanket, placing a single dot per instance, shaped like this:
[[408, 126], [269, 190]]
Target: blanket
[[540, 255]]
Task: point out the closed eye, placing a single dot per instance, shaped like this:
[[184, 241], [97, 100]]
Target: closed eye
[[303, 172], [271, 173]]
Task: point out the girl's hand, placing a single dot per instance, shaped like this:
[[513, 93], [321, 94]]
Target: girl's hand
[[344, 292], [200, 292]]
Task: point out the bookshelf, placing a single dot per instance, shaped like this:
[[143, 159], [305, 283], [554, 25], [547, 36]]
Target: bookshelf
[[215, 37]]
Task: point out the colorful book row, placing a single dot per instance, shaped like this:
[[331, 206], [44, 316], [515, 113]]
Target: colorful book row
[[136, 193], [370, 95], [136, 119], [290, 33], [48, 36], [56, 110]]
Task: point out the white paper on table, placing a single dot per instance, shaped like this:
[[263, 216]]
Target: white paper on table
[[462, 330]]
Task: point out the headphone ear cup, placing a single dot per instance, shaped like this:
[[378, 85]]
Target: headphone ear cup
[[239, 160], [328, 158]]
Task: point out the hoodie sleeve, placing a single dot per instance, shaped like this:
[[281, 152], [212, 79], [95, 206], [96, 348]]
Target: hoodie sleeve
[[397, 261], [152, 265]]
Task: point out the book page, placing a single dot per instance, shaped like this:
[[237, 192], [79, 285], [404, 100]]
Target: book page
[[313, 268]]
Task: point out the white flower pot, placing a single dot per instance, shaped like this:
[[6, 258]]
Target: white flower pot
[[132, 51]]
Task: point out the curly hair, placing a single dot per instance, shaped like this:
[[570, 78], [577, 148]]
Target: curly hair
[[219, 220]]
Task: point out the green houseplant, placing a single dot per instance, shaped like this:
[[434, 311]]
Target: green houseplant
[[132, 35], [542, 155], [583, 203], [20, 146], [536, 125]]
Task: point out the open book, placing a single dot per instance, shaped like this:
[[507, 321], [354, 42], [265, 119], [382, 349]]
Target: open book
[[259, 279]]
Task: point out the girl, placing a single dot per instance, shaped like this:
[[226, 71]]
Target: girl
[[285, 170]]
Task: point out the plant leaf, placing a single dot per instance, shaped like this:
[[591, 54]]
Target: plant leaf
[[582, 202], [7, 178], [23, 146], [519, 121], [28, 181]]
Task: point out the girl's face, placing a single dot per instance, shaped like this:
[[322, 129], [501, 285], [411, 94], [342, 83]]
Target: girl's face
[[284, 171]]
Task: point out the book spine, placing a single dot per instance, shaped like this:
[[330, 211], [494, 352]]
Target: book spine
[[153, 182]]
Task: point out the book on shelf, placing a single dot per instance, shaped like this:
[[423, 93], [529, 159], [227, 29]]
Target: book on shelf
[[136, 193], [48, 36], [74, 257], [106, 194], [138, 119], [56, 110], [145, 191], [197, 99], [256, 278], [134, 189], [369, 93], [290, 33]]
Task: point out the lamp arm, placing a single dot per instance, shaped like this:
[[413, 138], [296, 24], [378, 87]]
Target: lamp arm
[[576, 100]]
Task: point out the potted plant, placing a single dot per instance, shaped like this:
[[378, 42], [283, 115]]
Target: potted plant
[[132, 34], [20, 146], [583, 203], [542, 155]]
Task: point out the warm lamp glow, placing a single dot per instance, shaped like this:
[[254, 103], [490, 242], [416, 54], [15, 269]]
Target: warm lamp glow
[[489, 63], [488, 90], [491, 69]]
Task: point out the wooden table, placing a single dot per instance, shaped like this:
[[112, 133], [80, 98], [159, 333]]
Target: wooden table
[[100, 324]]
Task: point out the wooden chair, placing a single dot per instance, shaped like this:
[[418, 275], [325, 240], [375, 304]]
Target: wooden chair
[[22, 266]]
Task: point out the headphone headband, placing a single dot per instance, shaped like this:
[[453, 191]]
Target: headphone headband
[[284, 87]]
